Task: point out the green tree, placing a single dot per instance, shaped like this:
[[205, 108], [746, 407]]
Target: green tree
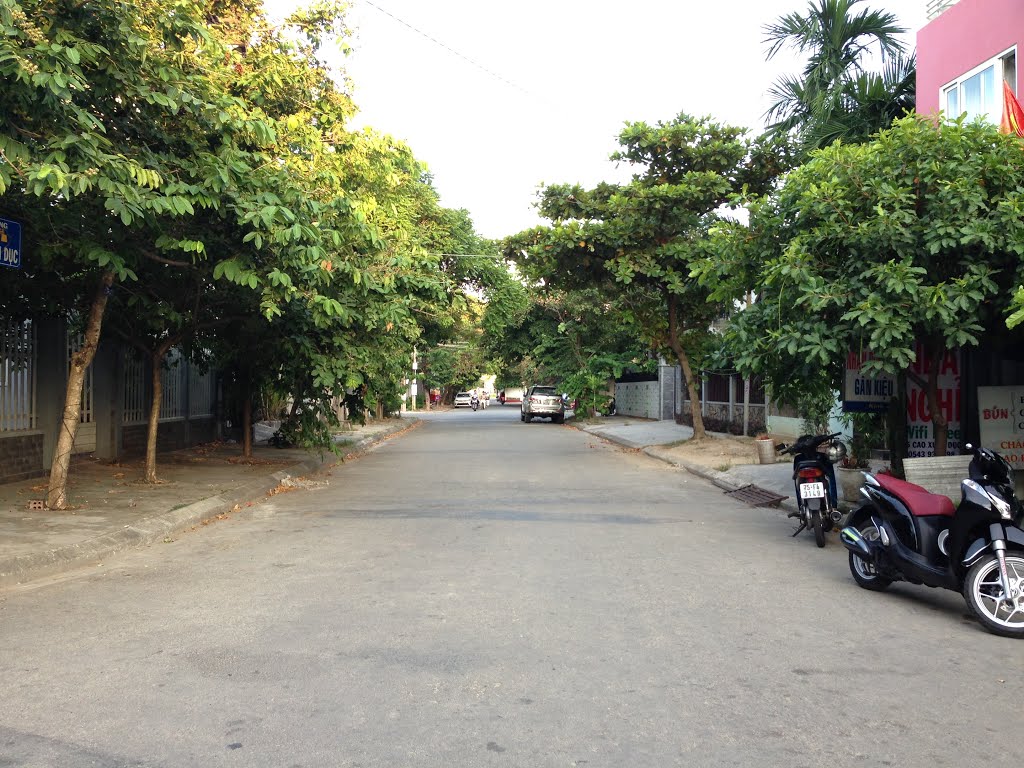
[[639, 239], [915, 236], [836, 96], [580, 340], [105, 135]]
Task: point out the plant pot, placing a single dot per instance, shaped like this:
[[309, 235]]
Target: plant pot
[[851, 480], [765, 450]]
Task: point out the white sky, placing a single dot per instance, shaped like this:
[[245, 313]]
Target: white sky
[[580, 69]]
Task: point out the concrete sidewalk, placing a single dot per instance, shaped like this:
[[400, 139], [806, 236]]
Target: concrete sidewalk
[[653, 436], [112, 510]]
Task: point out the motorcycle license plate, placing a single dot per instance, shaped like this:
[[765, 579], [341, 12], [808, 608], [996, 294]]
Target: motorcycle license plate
[[812, 490]]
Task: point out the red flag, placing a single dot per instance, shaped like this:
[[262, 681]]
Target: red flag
[[1013, 114]]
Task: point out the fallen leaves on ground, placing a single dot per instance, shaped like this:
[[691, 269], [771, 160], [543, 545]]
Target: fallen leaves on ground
[[282, 488]]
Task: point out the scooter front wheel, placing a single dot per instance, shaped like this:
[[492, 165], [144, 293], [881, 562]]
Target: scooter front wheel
[[998, 612]]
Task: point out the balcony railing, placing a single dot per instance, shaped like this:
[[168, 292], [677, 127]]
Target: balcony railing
[[935, 7]]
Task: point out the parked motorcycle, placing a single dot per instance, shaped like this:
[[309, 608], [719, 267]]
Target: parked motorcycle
[[905, 533], [815, 482]]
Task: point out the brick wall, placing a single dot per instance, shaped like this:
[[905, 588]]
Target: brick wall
[[21, 456]]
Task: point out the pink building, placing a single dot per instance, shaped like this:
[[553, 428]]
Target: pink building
[[965, 53]]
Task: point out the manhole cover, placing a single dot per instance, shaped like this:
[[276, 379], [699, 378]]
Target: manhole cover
[[756, 497]]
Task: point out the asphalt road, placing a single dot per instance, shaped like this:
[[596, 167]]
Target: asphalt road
[[482, 592]]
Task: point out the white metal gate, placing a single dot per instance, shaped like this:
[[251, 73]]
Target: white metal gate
[[17, 375]]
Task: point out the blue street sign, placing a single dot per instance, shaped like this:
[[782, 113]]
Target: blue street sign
[[10, 244]]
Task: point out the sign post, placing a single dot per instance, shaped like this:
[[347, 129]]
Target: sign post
[[10, 244]]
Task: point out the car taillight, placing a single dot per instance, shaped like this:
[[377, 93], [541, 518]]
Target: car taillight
[[811, 473]]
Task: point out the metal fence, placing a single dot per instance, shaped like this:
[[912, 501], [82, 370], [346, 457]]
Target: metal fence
[[202, 393], [75, 344], [173, 387], [135, 406], [17, 375], [185, 392], [722, 401]]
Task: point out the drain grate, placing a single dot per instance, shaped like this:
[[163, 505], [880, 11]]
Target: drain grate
[[756, 497]]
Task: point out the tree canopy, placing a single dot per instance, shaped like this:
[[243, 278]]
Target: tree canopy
[[837, 96], [913, 237], [193, 162], [640, 239]]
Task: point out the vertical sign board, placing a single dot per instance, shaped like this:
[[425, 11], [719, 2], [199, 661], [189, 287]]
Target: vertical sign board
[[864, 394], [10, 244], [1001, 416], [920, 430]]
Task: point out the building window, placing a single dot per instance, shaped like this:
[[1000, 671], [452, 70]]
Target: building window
[[979, 93]]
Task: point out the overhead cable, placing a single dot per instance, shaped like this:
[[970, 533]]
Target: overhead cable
[[448, 48]]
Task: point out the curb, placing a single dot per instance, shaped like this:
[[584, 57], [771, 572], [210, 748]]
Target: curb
[[148, 530], [718, 479]]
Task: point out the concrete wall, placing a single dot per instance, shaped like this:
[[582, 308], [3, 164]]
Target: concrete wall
[[21, 456], [966, 35], [655, 399], [638, 398], [171, 435]]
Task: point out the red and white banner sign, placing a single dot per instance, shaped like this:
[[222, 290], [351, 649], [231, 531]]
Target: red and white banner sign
[[920, 431]]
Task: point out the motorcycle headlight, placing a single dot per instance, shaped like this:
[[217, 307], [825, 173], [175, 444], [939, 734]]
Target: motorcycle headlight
[[836, 451]]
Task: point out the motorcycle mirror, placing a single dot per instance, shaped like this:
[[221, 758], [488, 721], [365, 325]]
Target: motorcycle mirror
[[969, 447]]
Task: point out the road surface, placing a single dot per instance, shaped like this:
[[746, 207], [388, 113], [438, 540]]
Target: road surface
[[482, 592]]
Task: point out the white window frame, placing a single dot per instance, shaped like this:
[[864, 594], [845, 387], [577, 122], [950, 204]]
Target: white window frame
[[997, 62]]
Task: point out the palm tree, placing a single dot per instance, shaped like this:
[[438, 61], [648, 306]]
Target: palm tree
[[868, 103], [836, 96]]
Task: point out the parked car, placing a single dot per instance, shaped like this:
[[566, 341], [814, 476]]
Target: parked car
[[542, 402], [511, 396], [462, 400]]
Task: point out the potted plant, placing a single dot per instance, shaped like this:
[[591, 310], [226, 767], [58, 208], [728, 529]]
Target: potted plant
[[850, 470], [765, 449]]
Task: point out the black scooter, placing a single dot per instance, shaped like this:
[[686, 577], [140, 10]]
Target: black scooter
[[815, 482], [905, 533]]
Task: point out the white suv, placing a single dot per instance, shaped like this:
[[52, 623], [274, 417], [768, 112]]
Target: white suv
[[542, 401]]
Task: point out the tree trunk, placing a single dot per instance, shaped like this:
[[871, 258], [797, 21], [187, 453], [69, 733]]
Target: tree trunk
[[56, 493], [247, 425], [157, 363], [684, 363], [898, 426], [940, 425]]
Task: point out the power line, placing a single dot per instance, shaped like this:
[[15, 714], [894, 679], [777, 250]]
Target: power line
[[451, 50]]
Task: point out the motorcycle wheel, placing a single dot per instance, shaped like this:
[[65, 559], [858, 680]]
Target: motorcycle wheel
[[819, 531], [983, 591], [864, 573]]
